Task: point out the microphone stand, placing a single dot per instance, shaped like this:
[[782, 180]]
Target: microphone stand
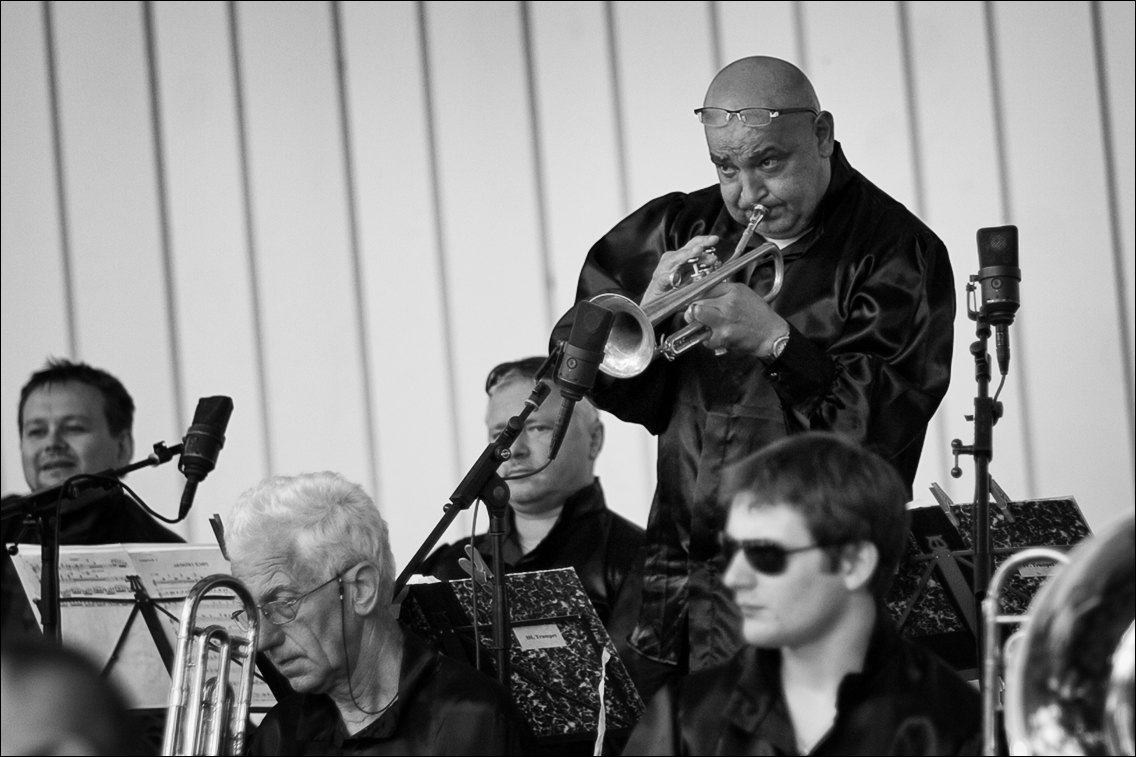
[[482, 482], [986, 413], [43, 510]]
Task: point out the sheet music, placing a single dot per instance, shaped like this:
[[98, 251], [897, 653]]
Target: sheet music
[[84, 571], [171, 570], [96, 602]]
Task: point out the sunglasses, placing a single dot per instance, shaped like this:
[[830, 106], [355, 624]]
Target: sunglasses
[[767, 557]]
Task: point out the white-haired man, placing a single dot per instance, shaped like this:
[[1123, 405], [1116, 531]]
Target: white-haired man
[[315, 554]]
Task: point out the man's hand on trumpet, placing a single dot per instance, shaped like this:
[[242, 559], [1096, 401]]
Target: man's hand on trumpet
[[740, 321], [671, 261]]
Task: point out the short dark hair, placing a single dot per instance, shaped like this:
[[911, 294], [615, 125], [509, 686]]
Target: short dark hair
[[117, 402], [845, 493], [525, 368]]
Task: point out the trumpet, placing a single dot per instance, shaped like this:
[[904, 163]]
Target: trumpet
[[203, 716], [631, 346]]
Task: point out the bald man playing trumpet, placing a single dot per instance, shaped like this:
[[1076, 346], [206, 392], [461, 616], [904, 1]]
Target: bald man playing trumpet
[[858, 341]]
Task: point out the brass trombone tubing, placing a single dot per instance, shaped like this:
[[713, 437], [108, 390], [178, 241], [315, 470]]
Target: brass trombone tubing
[[992, 652], [185, 731]]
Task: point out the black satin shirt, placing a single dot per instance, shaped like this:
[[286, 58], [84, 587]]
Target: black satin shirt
[[869, 296], [905, 701]]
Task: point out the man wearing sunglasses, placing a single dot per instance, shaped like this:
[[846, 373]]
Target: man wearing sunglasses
[[314, 552], [858, 341], [815, 530]]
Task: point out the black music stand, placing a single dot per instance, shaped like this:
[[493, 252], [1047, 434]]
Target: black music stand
[[556, 647], [932, 599]]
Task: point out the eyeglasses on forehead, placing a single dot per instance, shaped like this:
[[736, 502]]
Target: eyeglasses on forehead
[[749, 116], [767, 557]]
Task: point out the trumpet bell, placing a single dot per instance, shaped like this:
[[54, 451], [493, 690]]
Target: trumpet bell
[[1070, 685], [630, 346]]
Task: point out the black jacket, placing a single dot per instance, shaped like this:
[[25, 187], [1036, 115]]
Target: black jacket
[[905, 701], [869, 297], [601, 545], [443, 707]]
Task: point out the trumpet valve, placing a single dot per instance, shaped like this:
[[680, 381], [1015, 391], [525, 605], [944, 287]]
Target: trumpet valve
[[694, 269]]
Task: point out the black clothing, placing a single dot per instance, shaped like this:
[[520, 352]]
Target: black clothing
[[442, 707], [869, 296], [601, 545], [102, 518], [905, 701]]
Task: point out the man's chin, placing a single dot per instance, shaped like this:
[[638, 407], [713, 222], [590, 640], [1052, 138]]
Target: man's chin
[[301, 679], [54, 477]]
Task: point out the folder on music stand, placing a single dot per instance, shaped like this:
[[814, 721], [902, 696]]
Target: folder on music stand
[[932, 598], [556, 647]]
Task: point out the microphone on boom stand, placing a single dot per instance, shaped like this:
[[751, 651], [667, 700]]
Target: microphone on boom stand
[[202, 445], [576, 374], [999, 278]]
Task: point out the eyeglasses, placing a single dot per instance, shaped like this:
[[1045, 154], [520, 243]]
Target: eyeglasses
[[282, 611], [754, 117], [763, 556]]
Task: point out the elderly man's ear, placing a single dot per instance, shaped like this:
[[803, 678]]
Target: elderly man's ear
[[363, 586]]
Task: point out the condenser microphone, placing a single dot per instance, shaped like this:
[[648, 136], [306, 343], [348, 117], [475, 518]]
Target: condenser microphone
[[576, 374], [202, 445], [999, 278]]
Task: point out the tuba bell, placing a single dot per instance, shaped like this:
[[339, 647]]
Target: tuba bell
[[204, 716], [1070, 685], [631, 345]]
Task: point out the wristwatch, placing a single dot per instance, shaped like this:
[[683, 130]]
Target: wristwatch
[[778, 347]]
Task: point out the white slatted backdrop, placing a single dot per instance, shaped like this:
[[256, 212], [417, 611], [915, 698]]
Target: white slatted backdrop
[[343, 214]]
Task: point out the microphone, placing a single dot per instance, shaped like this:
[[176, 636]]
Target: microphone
[[999, 278], [202, 445], [576, 374]]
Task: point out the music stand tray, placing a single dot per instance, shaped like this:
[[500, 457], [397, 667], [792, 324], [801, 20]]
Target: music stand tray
[[556, 643]]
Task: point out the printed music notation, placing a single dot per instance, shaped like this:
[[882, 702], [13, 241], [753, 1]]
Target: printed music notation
[[96, 601], [168, 571]]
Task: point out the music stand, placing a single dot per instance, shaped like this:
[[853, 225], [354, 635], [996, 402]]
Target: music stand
[[932, 600]]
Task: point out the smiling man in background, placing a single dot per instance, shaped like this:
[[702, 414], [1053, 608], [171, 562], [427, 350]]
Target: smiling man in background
[[73, 419]]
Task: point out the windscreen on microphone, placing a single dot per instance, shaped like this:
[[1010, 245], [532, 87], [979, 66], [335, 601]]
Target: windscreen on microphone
[[205, 437], [999, 275]]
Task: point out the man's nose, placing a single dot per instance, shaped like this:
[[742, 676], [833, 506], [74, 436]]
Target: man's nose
[[521, 445], [271, 635], [738, 573], [55, 438], [753, 189]]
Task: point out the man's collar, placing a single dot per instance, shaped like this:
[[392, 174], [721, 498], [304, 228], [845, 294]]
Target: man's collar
[[759, 685], [319, 718], [842, 174]]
